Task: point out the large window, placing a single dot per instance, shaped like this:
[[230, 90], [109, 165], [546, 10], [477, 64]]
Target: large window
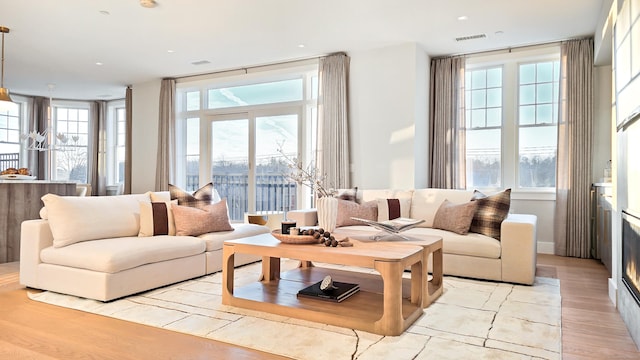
[[115, 138], [72, 136], [231, 132], [10, 115], [511, 109], [483, 104], [538, 123]]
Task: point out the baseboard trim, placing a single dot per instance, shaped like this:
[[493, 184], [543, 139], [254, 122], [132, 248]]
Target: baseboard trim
[[613, 292], [545, 247]]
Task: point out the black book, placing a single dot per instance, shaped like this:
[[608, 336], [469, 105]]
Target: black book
[[343, 291]]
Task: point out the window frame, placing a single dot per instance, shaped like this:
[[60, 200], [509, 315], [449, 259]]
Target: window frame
[[304, 109], [52, 158], [112, 143], [510, 112]]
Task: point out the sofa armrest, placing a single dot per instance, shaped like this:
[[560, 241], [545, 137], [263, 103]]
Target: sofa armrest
[[304, 217], [35, 235], [519, 248]]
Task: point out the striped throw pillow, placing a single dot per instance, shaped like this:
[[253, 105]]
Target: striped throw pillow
[[156, 218], [389, 209]]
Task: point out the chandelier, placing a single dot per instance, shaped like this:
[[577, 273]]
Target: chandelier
[[39, 141]]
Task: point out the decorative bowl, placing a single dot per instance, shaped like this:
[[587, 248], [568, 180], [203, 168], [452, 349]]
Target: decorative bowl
[[293, 239]]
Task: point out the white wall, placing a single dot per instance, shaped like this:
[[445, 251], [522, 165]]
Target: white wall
[[388, 117], [388, 93], [602, 121], [146, 99]]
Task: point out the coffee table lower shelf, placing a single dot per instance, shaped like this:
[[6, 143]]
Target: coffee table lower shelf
[[362, 311]]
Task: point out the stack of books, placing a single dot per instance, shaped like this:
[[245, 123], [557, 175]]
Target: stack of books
[[340, 293]]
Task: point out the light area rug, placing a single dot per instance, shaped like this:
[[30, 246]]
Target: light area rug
[[471, 320]]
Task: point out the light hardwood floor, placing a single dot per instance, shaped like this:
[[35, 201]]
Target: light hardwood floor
[[591, 326]]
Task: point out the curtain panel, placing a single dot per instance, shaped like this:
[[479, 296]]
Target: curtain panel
[[128, 142], [165, 165], [575, 143], [447, 126], [38, 121], [97, 165], [333, 128]]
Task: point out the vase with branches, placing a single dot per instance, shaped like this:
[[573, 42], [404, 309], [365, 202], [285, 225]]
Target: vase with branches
[[309, 175]]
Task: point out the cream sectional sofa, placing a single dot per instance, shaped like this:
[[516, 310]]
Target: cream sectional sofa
[[510, 259], [98, 254]]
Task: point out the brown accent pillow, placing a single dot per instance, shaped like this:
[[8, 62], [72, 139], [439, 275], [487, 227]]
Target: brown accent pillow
[[348, 209], [491, 211], [455, 217], [200, 198], [197, 221]]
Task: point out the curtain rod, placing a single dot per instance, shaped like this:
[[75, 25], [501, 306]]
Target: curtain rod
[[249, 68], [516, 48]]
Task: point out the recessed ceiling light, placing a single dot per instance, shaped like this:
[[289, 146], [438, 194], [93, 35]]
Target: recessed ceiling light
[[200, 62], [301, 45], [99, 63], [499, 33], [463, 17], [104, 12], [170, 51], [148, 3]]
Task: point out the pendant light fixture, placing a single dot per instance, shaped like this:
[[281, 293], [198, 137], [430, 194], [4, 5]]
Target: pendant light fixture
[[4, 92]]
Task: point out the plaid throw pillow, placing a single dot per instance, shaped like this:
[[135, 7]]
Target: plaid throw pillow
[[490, 213], [200, 198]]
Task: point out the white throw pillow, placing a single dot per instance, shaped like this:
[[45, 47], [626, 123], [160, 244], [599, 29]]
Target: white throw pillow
[[74, 219]]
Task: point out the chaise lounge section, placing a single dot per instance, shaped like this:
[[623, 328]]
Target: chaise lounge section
[[89, 247]]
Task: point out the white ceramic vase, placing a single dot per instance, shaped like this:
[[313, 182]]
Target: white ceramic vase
[[327, 212]]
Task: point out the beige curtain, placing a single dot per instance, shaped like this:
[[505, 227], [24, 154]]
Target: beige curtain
[[575, 139], [333, 130], [447, 125], [37, 121], [165, 165], [128, 142], [97, 165]]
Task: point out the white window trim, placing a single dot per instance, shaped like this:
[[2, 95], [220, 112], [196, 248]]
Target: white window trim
[[510, 60], [305, 70]]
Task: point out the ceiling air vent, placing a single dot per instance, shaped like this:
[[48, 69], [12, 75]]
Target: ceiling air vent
[[201, 62], [471, 37]]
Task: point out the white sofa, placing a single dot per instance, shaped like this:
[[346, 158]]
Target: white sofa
[[107, 259], [510, 259]]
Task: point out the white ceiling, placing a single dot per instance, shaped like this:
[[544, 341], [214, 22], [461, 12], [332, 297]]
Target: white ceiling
[[59, 42]]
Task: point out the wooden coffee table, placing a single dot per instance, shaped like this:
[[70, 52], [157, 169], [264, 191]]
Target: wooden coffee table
[[386, 304]]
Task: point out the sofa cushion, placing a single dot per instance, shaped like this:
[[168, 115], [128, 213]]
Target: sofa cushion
[[197, 221], [425, 202], [204, 196], [389, 209], [156, 218], [491, 211], [73, 219], [471, 244], [214, 240], [122, 253], [455, 218], [348, 209]]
